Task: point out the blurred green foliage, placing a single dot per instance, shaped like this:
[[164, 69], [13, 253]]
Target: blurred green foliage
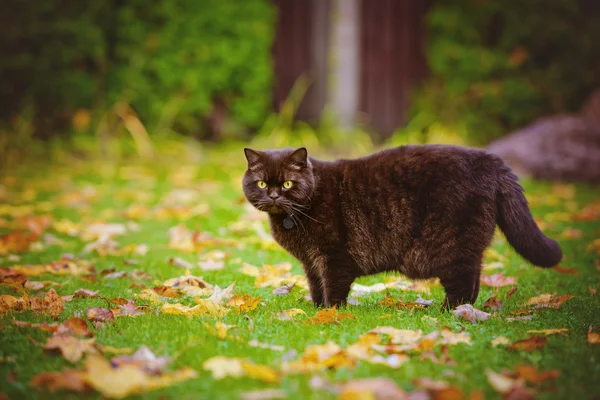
[[171, 60], [497, 65]]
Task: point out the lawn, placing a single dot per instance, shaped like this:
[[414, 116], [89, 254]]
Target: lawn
[[125, 228]]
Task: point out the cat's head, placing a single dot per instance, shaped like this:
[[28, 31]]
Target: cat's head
[[278, 181]]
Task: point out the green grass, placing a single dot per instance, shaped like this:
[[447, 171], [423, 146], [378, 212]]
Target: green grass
[[216, 179]]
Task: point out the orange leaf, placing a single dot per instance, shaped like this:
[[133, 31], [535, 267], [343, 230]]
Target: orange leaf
[[529, 344], [564, 270], [593, 337], [69, 379]]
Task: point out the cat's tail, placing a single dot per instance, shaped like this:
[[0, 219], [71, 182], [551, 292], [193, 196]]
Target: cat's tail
[[515, 220]]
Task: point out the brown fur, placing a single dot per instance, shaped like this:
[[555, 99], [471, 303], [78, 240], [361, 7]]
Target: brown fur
[[425, 211]]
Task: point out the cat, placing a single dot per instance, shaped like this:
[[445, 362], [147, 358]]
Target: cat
[[425, 211]]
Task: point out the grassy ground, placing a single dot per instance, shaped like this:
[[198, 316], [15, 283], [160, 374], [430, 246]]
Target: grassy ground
[[84, 192]]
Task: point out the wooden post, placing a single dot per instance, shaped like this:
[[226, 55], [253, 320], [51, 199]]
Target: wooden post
[[344, 62]]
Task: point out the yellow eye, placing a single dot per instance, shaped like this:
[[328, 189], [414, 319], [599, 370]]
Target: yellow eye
[[261, 184], [288, 184]]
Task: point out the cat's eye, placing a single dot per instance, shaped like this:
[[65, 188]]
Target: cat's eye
[[261, 184], [288, 184]]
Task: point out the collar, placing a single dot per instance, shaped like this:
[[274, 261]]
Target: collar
[[288, 223]]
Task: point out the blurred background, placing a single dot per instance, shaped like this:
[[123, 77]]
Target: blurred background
[[327, 73]]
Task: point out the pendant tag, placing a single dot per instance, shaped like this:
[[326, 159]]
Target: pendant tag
[[288, 223]]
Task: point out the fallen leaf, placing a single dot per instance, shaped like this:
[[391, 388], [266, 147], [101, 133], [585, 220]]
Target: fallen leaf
[[548, 332], [287, 315], [592, 291], [244, 303], [221, 367], [493, 303], [85, 293], [71, 348], [211, 265], [128, 309], [100, 315], [531, 374], [564, 270], [502, 383], [498, 280], [329, 316], [283, 290], [180, 262], [320, 357], [190, 285], [529, 344], [371, 389], [167, 291], [511, 292], [500, 341], [593, 337], [468, 312], [204, 307], [261, 372], [118, 383], [51, 303], [547, 300], [265, 394], [144, 359], [220, 329], [70, 379]]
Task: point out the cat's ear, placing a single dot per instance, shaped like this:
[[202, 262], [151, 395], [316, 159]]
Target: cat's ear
[[252, 156], [299, 157]]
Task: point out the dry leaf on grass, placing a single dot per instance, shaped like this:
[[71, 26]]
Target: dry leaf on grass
[[204, 307], [98, 314], [564, 270], [288, 315], [529, 344], [493, 303], [511, 292], [71, 379], [502, 383], [498, 280], [371, 389], [470, 313], [85, 293], [283, 290], [219, 330], [244, 303], [329, 316], [500, 341], [548, 300], [548, 332], [593, 337], [129, 309], [71, 348], [118, 383], [531, 374], [144, 359], [221, 367]]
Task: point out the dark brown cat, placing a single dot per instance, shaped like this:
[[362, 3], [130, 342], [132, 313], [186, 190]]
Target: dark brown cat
[[425, 211]]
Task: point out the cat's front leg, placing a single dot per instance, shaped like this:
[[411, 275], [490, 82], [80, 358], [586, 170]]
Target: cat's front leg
[[315, 286], [336, 285]]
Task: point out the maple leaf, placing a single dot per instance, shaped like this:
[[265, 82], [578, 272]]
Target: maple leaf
[[118, 383], [128, 309], [52, 303], [144, 359], [12, 279], [493, 303], [593, 337], [287, 315], [498, 280], [244, 303], [40, 285], [500, 341], [16, 242], [319, 357], [220, 329], [399, 336], [204, 307], [167, 291], [85, 293], [71, 348], [71, 379], [449, 337], [190, 285], [283, 290], [529, 344], [220, 295], [470, 313], [502, 383], [100, 315], [329, 316], [548, 300]]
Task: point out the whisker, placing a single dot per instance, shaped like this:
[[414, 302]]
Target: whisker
[[306, 215]]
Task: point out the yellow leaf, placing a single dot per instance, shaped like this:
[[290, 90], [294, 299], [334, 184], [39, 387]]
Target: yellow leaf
[[559, 331], [500, 341], [244, 303], [204, 307], [260, 372], [71, 348], [222, 366]]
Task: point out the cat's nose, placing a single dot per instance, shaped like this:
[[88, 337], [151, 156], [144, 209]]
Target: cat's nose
[[274, 195]]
